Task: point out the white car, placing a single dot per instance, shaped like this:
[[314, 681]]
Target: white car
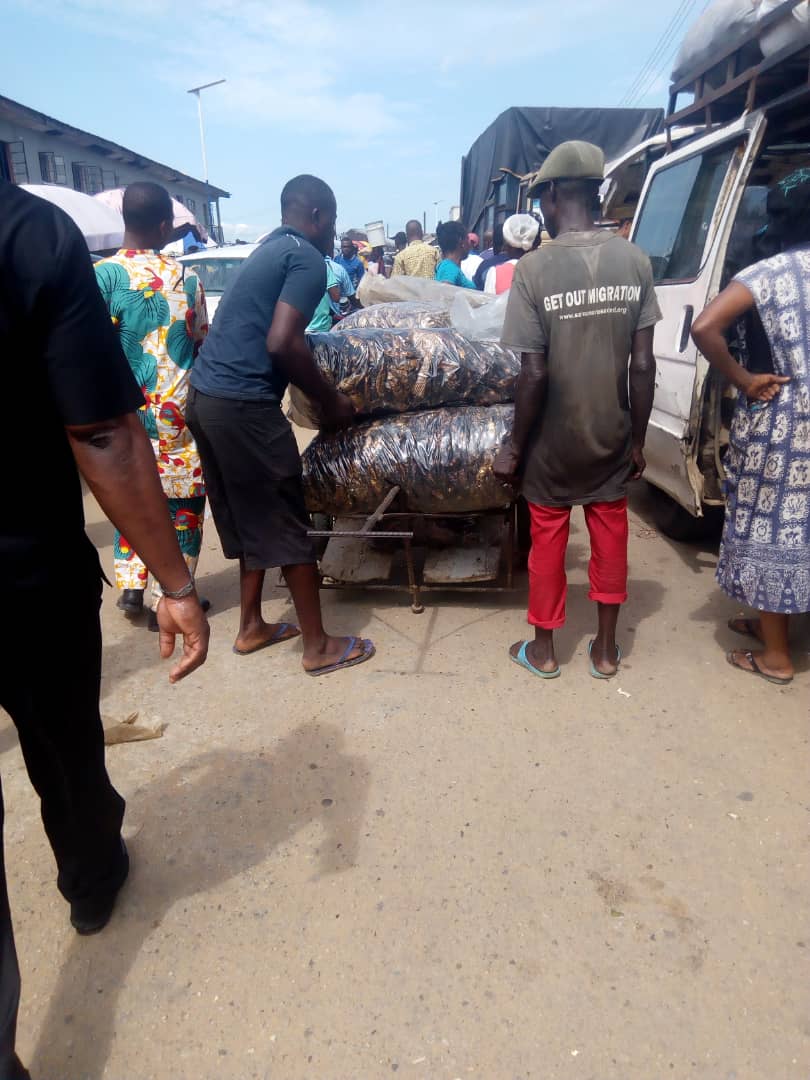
[[216, 269]]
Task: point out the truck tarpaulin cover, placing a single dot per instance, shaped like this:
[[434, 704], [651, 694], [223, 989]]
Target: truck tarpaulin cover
[[395, 371], [522, 138], [442, 459]]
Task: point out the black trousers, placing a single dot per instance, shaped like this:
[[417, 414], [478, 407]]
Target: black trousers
[[50, 679]]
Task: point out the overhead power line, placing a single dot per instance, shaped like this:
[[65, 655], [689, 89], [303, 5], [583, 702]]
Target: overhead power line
[[663, 52], [660, 45]]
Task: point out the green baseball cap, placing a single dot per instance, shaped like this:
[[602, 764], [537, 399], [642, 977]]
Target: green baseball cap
[[570, 161]]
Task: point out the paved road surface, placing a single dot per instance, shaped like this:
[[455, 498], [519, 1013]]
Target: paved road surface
[[434, 865]]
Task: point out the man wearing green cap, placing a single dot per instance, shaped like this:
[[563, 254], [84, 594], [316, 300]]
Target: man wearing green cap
[[581, 312]]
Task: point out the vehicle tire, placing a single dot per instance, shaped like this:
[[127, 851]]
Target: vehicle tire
[[678, 524]]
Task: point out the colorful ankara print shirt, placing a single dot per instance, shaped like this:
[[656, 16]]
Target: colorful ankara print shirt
[[161, 320]]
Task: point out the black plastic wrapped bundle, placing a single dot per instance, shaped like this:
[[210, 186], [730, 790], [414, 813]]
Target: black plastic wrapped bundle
[[441, 459], [396, 371], [404, 315]]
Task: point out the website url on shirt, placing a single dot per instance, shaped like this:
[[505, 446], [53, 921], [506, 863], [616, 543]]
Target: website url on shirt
[[596, 311]]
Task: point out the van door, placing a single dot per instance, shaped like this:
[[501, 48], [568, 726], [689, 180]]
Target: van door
[[685, 214]]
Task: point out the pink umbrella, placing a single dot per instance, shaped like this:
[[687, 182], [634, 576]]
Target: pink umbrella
[[182, 215]]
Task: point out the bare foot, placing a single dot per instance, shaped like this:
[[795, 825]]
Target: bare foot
[[332, 650], [540, 654], [263, 634]]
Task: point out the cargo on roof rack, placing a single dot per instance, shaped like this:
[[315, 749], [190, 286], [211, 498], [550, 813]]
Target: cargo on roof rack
[[742, 78]]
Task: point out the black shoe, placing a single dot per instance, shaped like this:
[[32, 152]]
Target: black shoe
[[153, 622], [89, 915], [130, 601], [18, 1070]]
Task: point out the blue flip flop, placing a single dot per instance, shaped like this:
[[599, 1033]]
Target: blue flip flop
[[595, 674], [525, 662], [279, 636], [344, 662]]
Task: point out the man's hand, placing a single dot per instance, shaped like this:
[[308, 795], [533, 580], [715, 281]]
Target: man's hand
[[763, 387], [639, 463], [184, 617], [337, 412], [506, 465]]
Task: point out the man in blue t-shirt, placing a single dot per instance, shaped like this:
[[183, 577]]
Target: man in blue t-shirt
[[350, 261], [249, 455]]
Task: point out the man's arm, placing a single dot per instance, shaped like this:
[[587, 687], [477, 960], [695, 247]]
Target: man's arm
[[287, 346], [398, 266], [116, 459], [642, 392], [200, 331], [529, 398], [708, 333]]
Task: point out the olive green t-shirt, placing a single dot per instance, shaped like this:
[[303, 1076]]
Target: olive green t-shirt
[[580, 298]]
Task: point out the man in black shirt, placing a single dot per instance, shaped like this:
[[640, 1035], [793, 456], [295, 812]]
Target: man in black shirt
[[72, 402], [250, 460]]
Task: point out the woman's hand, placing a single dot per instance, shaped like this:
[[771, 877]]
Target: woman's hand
[[763, 387]]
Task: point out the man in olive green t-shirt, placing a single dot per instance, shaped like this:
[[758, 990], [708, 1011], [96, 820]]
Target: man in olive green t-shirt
[[581, 312]]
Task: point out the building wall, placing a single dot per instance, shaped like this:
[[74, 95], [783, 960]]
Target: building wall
[[85, 169]]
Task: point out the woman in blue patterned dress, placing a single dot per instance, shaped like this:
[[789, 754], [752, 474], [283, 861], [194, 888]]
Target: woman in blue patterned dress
[[765, 553]]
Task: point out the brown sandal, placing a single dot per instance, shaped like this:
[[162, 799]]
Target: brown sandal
[[755, 669], [741, 624]]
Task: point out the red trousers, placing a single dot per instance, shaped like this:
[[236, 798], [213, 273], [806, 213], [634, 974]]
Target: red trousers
[[548, 586]]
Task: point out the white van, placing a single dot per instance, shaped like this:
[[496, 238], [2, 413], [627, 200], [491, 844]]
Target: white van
[[697, 215]]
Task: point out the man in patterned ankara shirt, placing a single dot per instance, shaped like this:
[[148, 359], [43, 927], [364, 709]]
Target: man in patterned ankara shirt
[[160, 316]]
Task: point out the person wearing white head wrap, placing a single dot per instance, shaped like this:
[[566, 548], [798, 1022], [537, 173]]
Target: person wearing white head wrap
[[520, 233]]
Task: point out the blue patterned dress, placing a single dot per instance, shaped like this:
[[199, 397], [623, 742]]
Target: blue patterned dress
[[765, 553]]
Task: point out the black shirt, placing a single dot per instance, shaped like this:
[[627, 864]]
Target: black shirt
[[233, 361], [62, 365]]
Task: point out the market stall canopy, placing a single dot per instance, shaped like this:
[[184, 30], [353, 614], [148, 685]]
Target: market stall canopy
[[101, 226], [521, 139], [114, 198]]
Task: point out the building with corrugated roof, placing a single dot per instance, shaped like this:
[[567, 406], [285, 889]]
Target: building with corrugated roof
[[37, 149]]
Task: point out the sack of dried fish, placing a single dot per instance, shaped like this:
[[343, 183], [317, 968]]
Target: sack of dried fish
[[395, 371], [397, 316], [442, 460]]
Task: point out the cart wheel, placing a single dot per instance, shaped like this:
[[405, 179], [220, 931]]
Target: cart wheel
[[417, 609]]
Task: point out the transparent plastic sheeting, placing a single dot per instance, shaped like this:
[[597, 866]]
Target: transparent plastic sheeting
[[413, 315], [441, 459], [476, 314], [397, 371], [374, 289]]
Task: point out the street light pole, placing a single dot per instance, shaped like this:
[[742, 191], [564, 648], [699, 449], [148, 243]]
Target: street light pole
[[196, 91]]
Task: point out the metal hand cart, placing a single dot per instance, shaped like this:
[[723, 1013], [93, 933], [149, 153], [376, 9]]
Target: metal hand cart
[[366, 556]]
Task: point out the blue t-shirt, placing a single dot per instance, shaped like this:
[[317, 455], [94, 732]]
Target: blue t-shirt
[[321, 321], [451, 272], [353, 266], [233, 361], [345, 282]]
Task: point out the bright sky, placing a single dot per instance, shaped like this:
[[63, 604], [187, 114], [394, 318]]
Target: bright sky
[[381, 99]]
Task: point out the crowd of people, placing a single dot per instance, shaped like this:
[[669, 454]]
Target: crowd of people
[[160, 412], [454, 258]]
